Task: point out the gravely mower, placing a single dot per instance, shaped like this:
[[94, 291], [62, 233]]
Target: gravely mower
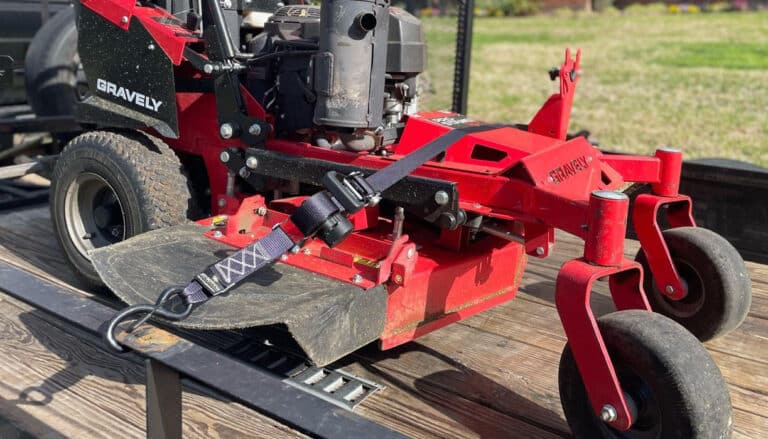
[[342, 214]]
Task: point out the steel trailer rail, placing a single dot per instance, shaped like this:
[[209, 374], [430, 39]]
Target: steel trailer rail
[[170, 357]]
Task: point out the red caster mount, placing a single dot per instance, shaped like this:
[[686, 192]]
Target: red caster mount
[[635, 373]]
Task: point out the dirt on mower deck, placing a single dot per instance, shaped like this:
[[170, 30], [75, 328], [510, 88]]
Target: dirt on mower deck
[[492, 375]]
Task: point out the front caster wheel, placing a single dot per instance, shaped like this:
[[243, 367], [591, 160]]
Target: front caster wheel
[[719, 291], [670, 380]]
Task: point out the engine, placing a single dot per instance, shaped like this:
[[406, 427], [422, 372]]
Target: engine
[[342, 76]]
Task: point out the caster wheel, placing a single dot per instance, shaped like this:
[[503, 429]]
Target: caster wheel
[[670, 380], [719, 291], [109, 186]]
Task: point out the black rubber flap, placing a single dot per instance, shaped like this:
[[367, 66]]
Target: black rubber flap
[[328, 318]]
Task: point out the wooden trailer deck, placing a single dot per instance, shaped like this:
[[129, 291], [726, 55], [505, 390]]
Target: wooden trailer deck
[[493, 375]]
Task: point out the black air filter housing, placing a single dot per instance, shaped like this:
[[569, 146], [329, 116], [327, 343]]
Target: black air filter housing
[[295, 22], [406, 51]]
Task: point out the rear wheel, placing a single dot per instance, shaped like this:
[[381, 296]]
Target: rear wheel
[[53, 74], [718, 288], [109, 186], [667, 376]]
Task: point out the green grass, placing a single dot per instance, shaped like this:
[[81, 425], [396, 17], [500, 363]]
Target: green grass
[[699, 82], [727, 55]]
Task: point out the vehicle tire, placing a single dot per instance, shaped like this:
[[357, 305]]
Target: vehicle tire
[[108, 186], [53, 78], [719, 291], [666, 373]]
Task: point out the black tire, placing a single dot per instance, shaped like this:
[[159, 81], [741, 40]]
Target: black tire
[[51, 66], [669, 376], [719, 291], [111, 185]]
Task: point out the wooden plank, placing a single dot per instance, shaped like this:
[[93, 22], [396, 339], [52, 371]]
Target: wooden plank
[[54, 383], [422, 408], [512, 377], [487, 376]]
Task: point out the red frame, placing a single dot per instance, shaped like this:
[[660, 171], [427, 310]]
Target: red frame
[[536, 182]]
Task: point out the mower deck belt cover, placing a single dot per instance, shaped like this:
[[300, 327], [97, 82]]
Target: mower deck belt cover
[[328, 318]]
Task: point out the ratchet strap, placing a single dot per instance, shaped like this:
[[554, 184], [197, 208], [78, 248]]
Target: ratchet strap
[[322, 215]]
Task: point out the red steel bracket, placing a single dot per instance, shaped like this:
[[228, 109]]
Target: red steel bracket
[[645, 220], [572, 293]]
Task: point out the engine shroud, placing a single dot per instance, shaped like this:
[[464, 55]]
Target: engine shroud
[[337, 90]]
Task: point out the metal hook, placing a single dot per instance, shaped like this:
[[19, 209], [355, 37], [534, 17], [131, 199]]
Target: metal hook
[[149, 310]]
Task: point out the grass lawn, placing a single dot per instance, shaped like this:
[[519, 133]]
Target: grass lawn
[[699, 82]]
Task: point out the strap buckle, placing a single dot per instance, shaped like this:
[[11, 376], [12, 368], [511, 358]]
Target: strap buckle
[[351, 190]]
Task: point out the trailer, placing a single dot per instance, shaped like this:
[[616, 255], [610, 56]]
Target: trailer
[[480, 374], [492, 375]]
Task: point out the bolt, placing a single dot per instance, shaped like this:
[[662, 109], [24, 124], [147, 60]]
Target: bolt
[[254, 129], [441, 198], [243, 173], [151, 46], [227, 4], [398, 279], [222, 202], [252, 162], [261, 211], [124, 19], [295, 249], [357, 278], [306, 251], [411, 252], [608, 413], [208, 68], [669, 289], [224, 156], [284, 257], [217, 234], [226, 130], [540, 251]]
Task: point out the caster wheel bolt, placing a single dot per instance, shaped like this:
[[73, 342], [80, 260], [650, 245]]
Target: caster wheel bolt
[[608, 413]]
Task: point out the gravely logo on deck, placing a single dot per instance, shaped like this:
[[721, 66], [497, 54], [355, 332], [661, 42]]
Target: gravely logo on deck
[[568, 169]]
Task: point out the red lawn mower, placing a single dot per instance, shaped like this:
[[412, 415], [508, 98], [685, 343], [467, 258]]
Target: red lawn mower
[[335, 209]]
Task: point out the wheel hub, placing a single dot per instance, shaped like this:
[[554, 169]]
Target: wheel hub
[[93, 213], [693, 300]]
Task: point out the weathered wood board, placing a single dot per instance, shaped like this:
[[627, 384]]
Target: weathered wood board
[[492, 375]]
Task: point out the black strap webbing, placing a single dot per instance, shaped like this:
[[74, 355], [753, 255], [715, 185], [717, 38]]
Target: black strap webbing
[[228, 272]]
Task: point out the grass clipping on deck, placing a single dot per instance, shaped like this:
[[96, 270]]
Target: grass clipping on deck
[[698, 82]]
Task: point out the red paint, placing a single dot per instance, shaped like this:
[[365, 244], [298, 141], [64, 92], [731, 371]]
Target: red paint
[[669, 175], [572, 293], [117, 12], [552, 119], [606, 228], [644, 218]]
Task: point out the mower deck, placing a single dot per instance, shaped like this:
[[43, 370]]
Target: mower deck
[[487, 375], [326, 317]]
